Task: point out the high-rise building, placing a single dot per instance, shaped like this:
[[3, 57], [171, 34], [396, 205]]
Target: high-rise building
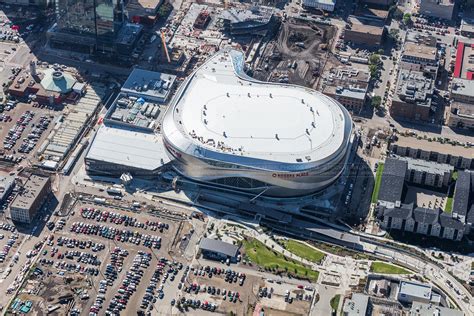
[[88, 25]]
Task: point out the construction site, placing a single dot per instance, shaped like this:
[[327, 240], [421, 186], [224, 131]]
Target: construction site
[[297, 53]]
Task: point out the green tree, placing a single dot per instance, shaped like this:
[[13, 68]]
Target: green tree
[[373, 70], [374, 59], [407, 18], [394, 33], [376, 101]]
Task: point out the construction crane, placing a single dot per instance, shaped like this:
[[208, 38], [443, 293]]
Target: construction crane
[[163, 42]]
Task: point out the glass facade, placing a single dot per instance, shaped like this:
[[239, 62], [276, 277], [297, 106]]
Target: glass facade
[[100, 20]]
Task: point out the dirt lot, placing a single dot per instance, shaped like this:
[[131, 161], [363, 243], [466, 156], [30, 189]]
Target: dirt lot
[[70, 271], [297, 54]]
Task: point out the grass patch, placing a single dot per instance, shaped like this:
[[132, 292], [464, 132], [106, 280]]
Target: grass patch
[[387, 268], [271, 260], [378, 180], [303, 251], [335, 302], [449, 205]]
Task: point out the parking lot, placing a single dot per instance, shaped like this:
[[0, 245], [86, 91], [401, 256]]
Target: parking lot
[[22, 128], [217, 289], [9, 242], [85, 268]]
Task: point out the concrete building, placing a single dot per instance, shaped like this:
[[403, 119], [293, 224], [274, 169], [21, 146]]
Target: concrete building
[[364, 31], [155, 86], [325, 5], [409, 292], [463, 195], [254, 20], [142, 11], [357, 305], [428, 173], [218, 250], [442, 9], [420, 58], [462, 90], [458, 156], [395, 214], [348, 86], [116, 150], [276, 156], [461, 115], [393, 181], [413, 96], [7, 184], [30, 199], [423, 309], [93, 27], [467, 27], [127, 141]]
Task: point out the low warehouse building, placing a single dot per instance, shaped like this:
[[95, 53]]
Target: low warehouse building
[[218, 250]]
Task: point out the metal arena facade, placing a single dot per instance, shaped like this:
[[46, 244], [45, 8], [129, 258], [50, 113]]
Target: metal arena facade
[[228, 129]]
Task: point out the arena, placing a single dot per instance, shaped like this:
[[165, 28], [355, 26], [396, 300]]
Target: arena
[[225, 128]]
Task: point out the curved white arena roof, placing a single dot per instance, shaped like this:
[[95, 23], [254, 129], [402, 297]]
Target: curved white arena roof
[[219, 109]]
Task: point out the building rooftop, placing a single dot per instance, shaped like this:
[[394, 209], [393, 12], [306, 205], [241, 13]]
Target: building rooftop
[[446, 220], [461, 194], [57, 81], [413, 87], [219, 109], [463, 110], [370, 29], [132, 110], [347, 81], [393, 178], [467, 25], [419, 50], [357, 305], [374, 13], [413, 289], [6, 183], [463, 87], [148, 6], [31, 189], [422, 309], [419, 38], [438, 2], [219, 246], [433, 146], [432, 167], [426, 215], [128, 147], [149, 83], [366, 25], [128, 34], [404, 211], [260, 14]]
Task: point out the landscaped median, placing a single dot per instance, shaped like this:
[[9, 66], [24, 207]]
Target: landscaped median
[[335, 302], [303, 251], [378, 180], [387, 268], [275, 262]]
